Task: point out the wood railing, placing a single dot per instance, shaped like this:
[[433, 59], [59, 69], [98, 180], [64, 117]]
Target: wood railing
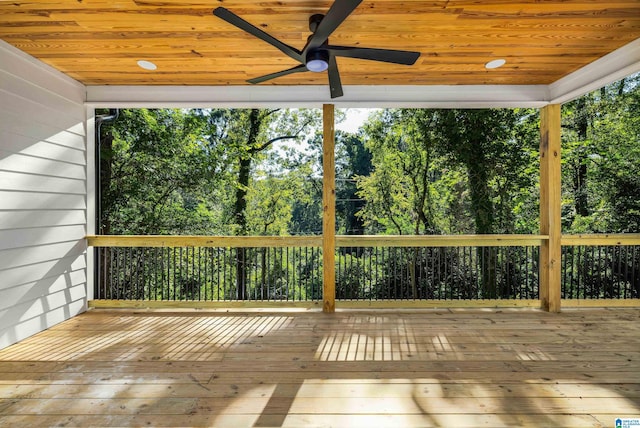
[[599, 268], [208, 268], [438, 240], [380, 270], [367, 269], [631, 239], [202, 241], [315, 241]]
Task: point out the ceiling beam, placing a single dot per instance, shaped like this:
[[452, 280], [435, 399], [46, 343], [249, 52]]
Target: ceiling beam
[[614, 66], [436, 96]]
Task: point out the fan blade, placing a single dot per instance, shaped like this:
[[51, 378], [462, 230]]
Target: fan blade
[[235, 20], [335, 85], [337, 13], [384, 55], [296, 69]]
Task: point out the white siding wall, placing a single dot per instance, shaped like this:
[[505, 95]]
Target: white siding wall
[[43, 276]]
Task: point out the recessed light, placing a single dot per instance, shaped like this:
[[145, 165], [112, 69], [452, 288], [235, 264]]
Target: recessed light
[[496, 63], [147, 65]]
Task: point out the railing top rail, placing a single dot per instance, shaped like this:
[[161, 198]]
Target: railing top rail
[[357, 240], [612, 239], [315, 241], [439, 240], [202, 241]]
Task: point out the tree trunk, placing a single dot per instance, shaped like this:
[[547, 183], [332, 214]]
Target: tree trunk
[[480, 193], [240, 217], [240, 205], [580, 173], [103, 227], [256, 119], [482, 207]]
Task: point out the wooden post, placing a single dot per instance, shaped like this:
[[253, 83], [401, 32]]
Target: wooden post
[[550, 215], [329, 210]]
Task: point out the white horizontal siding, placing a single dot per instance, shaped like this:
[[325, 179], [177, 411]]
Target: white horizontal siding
[[24, 256], [43, 271], [34, 200], [17, 238], [73, 138], [36, 165], [43, 218], [32, 309], [52, 110], [44, 147], [40, 183], [16, 63], [25, 292], [23, 219], [48, 98]]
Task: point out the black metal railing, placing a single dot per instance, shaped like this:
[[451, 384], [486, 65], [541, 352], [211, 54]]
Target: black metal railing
[[601, 272], [209, 273], [367, 268], [441, 273]]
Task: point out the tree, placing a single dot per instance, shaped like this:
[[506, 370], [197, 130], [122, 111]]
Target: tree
[[157, 177], [434, 170], [247, 135], [600, 154], [353, 160], [398, 192], [480, 140]]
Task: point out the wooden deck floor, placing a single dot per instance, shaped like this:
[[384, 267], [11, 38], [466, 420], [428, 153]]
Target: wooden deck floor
[[440, 368]]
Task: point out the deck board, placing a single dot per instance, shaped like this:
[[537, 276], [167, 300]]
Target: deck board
[[463, 368]]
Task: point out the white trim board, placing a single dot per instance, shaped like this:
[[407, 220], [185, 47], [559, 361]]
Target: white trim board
[[437, 96], [614, 66]]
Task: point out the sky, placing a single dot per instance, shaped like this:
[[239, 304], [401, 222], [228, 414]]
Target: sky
[[355, 118]]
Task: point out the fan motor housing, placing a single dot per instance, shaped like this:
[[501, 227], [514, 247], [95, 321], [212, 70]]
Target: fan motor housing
[[317, 60], [314, 21]]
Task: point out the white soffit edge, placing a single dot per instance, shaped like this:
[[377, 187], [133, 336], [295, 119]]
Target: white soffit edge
[[614, 66], [436, 96]]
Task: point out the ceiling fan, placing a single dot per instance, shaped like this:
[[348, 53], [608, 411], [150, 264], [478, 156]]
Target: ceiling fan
[[318, 55]]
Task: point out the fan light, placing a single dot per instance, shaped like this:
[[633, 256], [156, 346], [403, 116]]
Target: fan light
[[496, 63], [317, 61], [317, 65]]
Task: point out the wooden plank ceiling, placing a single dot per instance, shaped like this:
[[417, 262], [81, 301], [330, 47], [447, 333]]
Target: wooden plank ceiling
[[98, 42]]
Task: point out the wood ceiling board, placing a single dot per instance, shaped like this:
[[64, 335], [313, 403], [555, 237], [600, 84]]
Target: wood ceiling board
[[98, 42]]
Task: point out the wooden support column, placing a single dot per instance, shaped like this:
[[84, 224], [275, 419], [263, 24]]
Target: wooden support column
[[550, 215], [329, 209]]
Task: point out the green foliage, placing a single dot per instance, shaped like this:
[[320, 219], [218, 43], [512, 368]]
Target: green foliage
[[601, 157], [194, 171], [161, 179], [271, 200], [407, 171], [450, 171], [398, 192], [353, 160]]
